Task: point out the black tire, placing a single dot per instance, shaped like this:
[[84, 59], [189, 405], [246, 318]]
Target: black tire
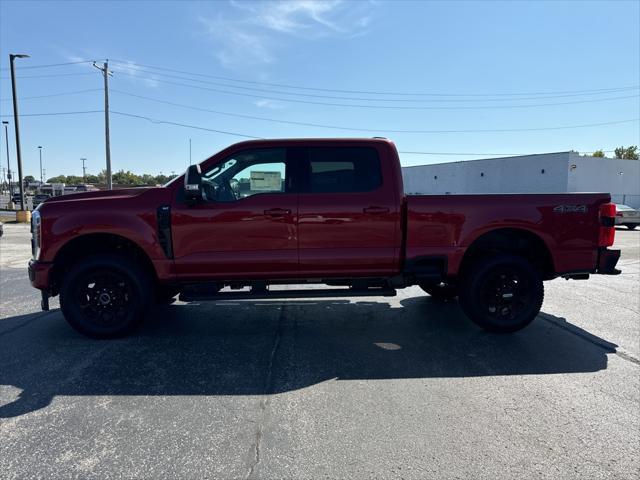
[[105, 296], [443, 291], [502, 293], [631, 226]]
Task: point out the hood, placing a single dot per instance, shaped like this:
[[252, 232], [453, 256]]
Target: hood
[[102, 194]]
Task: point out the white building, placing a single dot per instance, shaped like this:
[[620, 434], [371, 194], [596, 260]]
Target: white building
[[543, 173]]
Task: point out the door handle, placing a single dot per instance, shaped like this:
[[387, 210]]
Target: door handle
[[277, 212], [375, 210]]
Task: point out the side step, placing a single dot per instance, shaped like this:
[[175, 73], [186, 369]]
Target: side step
[[302, 293]]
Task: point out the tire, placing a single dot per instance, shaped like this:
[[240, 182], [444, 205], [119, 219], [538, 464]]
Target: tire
[[105, 296], [631, 226], [502, 293], [442, 292]]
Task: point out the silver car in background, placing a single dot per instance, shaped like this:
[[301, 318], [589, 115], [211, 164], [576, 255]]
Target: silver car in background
[[627, 216]]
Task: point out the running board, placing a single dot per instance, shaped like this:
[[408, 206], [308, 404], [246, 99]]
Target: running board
[[302, 293]]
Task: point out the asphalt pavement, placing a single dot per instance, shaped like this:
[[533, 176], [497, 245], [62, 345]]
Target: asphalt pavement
[[402, 387]]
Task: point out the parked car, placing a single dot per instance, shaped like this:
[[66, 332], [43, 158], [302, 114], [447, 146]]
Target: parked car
[[627, 216], [320, 211]]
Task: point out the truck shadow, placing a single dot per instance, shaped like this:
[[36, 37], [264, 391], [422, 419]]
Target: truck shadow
[[260, 347]]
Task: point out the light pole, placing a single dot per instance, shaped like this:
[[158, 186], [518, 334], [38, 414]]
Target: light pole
[[6, 136], [12, 58], [40, 150], [84, 170]]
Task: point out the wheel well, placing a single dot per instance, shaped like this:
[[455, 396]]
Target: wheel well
[[97, 243], [514, 241]]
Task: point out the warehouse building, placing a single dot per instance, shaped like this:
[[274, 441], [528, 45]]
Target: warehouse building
[[543, 173]]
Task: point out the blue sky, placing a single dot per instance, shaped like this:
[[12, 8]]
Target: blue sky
[[476, 65]]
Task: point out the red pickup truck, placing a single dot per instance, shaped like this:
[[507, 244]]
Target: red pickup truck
[[326, 212]]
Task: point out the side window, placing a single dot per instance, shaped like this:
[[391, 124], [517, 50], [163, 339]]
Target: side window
[[343, 169], [245, 174]]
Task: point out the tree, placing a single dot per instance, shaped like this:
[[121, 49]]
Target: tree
[[29, 179], [598, 153], [629, 153]]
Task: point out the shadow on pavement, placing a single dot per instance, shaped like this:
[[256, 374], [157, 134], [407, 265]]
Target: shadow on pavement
[[260, 347]]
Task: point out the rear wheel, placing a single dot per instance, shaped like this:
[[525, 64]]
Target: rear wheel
[[105, 296], [502, 293], [440, 291]]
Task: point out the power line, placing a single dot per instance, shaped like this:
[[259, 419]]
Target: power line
[[355, 129], [51, 65], [51, 75], [370, 130], [196, 127], [55, 114], [333, 97], [122, 62], [393, 107], [76, 92]]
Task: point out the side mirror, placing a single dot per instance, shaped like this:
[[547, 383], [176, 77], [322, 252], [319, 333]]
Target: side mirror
[[193, 184]]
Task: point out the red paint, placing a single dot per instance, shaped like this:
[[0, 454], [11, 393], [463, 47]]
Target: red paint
[[319, 235]]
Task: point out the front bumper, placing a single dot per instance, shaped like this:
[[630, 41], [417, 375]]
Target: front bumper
[[39, 273], [607, 261]]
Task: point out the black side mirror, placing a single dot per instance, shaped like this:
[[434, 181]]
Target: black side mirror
[[193, 184]]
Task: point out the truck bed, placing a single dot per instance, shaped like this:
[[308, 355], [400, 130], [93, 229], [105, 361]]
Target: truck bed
[[445, 225]]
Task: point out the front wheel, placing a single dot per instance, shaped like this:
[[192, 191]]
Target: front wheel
[[502, 293], [105, 296], [632, 226]]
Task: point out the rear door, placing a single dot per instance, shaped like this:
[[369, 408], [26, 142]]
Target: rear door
[[349, 213]]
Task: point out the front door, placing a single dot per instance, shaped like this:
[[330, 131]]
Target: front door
[[245, 227]]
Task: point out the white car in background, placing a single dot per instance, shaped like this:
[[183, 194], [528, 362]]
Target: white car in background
[[627, 216]]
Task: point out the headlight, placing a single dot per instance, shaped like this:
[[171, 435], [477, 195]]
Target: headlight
[[36, 234]]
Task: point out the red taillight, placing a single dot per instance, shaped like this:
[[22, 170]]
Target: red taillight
[[607, 231]]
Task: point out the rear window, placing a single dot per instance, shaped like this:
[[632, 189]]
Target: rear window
[[346, 169]]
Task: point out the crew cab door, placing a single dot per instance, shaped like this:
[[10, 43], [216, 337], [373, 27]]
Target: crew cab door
[[349, 213], [245, 227]]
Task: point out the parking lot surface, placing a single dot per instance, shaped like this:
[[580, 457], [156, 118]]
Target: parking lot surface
[[401, 387]]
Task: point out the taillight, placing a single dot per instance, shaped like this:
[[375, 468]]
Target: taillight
[[607, 231]]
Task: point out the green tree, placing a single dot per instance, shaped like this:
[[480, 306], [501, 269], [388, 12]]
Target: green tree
[[29, 179], [628, 153], [598, 153]]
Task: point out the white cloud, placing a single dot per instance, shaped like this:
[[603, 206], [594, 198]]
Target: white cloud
[[251, 33], [268, 103]]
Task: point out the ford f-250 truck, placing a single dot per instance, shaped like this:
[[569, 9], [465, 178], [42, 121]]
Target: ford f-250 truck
[[331, 212]]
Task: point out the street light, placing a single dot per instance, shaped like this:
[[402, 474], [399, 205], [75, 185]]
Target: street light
[[40, 150], [6, 136], [12, 57]]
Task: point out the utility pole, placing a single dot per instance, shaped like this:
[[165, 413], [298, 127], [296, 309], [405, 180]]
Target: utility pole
[[12, 57], [106, 73], [6, 136], [40, 150], [84, 170]]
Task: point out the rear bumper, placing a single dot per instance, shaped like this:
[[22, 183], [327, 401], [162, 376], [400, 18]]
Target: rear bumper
[[607, 261], [39, 273]]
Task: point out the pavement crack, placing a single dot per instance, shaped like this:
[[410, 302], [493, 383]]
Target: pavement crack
[[265, 401]]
